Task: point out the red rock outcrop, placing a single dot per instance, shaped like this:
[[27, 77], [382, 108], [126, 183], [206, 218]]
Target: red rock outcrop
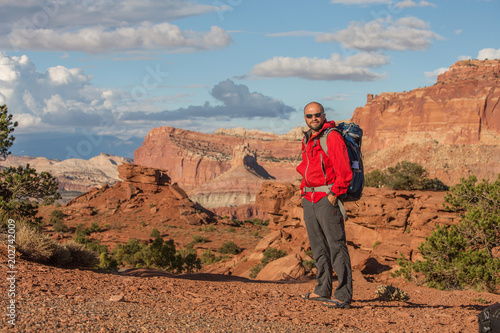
[[461, 108], [451, 128], [381, 226], [143, 190]]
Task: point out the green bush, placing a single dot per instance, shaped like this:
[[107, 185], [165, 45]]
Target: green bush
[[255, 270], [107, 262], [460, 256], [207, 257], [270, 254], [161, 254], [59, 226], [229, 248], [404, 176], [155, 233]]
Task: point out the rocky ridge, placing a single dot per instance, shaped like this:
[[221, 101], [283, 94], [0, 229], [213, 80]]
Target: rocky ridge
[[74, 175]]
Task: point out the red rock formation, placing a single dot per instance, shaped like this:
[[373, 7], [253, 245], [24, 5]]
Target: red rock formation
[[381, 226], [451, 128], [461, 108], [192, 158], [237, 186], [144, 190]]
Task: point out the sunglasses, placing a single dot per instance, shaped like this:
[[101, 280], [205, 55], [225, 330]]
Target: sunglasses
[[317, 115]]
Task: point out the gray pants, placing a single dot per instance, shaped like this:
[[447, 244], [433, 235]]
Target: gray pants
[[325, 228]]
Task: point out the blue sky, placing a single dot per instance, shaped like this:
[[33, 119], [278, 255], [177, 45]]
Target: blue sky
[[92, 76]]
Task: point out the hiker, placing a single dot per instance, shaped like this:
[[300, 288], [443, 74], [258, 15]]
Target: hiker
[[323, 218]]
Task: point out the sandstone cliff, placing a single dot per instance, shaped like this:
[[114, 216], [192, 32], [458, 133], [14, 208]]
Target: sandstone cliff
[[237, 186], [452, 128], [193, 159]]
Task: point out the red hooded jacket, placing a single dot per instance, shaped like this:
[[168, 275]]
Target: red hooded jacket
[[317, 168]]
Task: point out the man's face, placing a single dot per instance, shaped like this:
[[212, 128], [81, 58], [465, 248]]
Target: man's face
[[314, 117]]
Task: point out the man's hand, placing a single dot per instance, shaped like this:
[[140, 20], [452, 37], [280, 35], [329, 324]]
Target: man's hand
[[332, 199]]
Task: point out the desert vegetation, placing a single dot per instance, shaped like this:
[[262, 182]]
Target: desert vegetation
[[404, 176], [463, 255]]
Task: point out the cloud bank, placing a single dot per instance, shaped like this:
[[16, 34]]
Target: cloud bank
[[64, 100], [237, 102], [94, 26], [353, 68], [407, 33]]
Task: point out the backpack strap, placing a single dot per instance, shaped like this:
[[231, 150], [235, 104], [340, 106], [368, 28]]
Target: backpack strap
[[323, 139]]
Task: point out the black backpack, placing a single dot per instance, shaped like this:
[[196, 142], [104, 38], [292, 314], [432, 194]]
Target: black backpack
[[352, 135], [489, 319]]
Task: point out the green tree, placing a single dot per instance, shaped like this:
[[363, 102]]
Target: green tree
[[6, 128], [22, 189], [461, 255]]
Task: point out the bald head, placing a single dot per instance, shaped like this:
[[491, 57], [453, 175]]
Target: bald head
[[314, 105]]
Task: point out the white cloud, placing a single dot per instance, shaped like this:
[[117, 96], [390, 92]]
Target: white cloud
[[464, 57], [489, 54], [458, 32], [353, 68], [95, 40], [410, 3], [407, 33], [57, 97], [432, 76], [95, 26]]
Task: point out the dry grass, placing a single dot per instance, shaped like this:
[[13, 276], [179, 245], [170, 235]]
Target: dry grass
[[39, 247]]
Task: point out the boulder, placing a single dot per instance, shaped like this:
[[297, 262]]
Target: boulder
[[286, 268]]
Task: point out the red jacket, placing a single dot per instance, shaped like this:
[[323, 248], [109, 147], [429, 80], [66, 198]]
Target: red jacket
[[317, 168]]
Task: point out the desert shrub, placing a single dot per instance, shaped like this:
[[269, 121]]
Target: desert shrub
[[39, 247], [190, 261], [59, 226], [81, 255], [207, 257], [161, 254], [210, 228], [94, 227], [270, 254], [376, 178], [229, 248], [155, 233], [255, 270], [57, 214], [35, 245], [390, 293], [107, 262], [308, 264], [258, 222], [460, 256], [404, 176]]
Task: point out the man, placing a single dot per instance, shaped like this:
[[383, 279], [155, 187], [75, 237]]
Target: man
[[325, 177]]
